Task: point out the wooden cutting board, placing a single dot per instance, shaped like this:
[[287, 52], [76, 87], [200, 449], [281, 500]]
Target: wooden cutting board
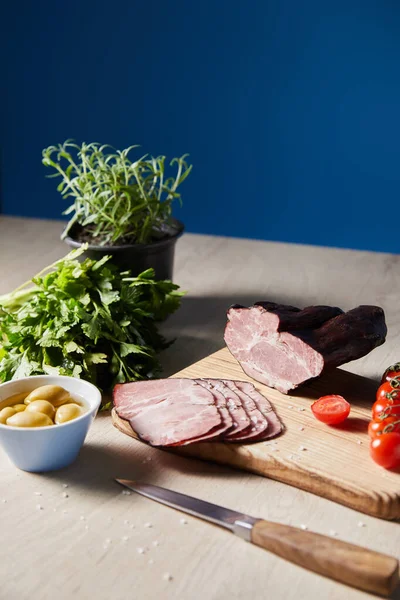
[[332, 462]]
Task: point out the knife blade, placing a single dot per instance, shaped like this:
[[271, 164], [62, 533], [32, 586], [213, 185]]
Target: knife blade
[[355, 566], [237, 522]]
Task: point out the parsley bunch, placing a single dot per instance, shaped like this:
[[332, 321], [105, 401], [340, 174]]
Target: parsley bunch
[[85, 320]]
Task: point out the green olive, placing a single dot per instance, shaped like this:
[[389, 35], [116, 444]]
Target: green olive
[[52, 393], [29, 419], [5, 413], [19, 407], [42, 406], [15, 399], [67, 412]]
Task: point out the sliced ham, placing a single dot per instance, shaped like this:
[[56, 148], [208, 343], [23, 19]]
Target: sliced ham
[[176, 412], [274, 425], [240, 418], [258, 423], [283, 346], [226, 418], [165, 412]]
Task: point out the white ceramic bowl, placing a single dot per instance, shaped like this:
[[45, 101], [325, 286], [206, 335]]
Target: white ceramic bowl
[[40, 449]]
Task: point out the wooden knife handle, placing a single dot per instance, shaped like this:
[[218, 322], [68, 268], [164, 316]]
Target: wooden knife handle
[[355, 566]]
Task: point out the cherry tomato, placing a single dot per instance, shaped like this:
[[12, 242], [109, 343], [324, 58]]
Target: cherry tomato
[[392, 371], [385, 450], [331, 409], [385, 408], [381, 426], [386, 390]]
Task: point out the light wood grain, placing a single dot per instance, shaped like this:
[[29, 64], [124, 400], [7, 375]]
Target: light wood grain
[[46, 554], [332, 462], [332, 558]]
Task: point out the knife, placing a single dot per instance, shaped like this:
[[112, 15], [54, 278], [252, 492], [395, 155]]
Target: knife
[[347, 563]]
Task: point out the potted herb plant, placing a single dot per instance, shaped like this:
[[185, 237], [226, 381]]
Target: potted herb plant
[[120, 208]]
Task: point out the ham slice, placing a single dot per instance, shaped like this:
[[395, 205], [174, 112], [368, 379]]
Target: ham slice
[[166, 412], [240, 418], [176, 412], [274, 425], [226, 419], [258, 423]]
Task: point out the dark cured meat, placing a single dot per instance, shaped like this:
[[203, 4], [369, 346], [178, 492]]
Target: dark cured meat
[[351, 335], [283, 346], [291, 319]]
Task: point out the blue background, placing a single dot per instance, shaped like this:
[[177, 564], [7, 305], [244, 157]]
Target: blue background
[[290, 109]]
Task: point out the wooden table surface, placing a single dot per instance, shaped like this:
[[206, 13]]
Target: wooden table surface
[[90, 540]]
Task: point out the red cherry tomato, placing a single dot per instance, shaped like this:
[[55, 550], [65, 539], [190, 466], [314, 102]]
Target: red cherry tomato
[[385, 450], [395, 382], [386, 408], [379, 407], [392, 371], [381, 426], [386, 390], [331, 409]]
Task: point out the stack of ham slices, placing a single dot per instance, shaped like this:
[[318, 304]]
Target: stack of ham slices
[[176, 412]]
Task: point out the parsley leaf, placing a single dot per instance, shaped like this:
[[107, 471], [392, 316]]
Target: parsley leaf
[[85, 319]]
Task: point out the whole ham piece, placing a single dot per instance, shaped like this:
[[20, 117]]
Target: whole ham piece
[[283, 346]]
